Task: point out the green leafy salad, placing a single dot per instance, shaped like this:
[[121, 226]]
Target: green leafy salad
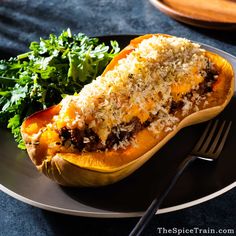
[[51, 69]]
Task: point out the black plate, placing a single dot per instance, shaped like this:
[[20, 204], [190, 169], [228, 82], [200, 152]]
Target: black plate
[[129, 197]]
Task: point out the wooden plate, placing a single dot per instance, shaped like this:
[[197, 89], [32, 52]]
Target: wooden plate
[[213, 14]]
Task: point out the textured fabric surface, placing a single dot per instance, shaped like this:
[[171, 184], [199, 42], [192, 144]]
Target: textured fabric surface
[[22, 21]]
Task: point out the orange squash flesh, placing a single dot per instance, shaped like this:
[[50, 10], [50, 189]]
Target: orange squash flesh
[[102, 168]]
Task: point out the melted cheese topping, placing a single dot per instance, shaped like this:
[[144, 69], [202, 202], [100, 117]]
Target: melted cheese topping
[[144, 83]]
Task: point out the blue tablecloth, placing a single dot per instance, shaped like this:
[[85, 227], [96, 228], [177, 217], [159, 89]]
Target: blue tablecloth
[[22, 21]]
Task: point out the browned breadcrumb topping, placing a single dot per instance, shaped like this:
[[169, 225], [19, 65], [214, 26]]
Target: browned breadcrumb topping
[[147, 89]]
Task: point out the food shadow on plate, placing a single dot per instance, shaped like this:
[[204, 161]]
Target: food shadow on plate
[[134, 193]]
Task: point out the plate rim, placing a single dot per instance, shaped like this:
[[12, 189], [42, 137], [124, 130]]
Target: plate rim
[[113, 214]]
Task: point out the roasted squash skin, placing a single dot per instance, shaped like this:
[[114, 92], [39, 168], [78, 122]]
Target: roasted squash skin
[[93, 169]]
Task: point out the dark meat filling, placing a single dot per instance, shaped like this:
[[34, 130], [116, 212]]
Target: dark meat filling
[[85, 139], [122, 132], [88, 140], [206, 85], [176, 106]]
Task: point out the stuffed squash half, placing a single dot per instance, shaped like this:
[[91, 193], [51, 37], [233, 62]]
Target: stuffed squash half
[[154, 87]]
